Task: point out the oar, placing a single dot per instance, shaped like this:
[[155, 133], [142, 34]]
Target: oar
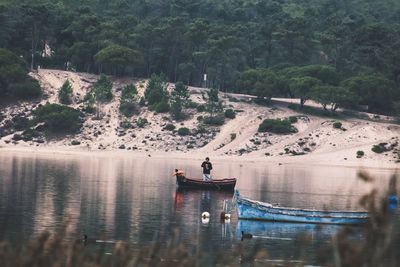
[[219, 188]]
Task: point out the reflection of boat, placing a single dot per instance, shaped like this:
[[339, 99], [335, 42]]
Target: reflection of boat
[[256, 210], [284, 230], [220, 184]]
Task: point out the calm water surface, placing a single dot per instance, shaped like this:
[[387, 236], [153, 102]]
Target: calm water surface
[[136, 200]]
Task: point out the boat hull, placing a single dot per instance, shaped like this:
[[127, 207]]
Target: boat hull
[[221, 184], [254, 210]]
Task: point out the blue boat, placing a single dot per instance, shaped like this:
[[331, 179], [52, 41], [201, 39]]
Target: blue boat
[[255, 210]]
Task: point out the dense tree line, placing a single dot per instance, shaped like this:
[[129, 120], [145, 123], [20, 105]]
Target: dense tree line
[[357, 41]]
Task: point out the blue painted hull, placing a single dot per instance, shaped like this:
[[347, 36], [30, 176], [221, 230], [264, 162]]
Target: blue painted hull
[[255, 210]]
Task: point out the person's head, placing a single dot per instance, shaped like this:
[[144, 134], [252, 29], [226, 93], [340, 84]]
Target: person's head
[[176, 170], [207, 159]]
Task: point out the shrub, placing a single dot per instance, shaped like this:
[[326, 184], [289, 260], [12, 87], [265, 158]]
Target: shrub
[[125, 124], [201, 129], [233, 136], [161, 107], [215, 120], [191, 104], [29, 134], [128, 106], [58, 118], [378, 149], [25, 90], [360, 153], [200, 118], [21, 123], [169, 127], [201, 108], [293, 119], [75, 143], [230, 113], [141, 122], [276, 126], [337, 125], [65, 93], [183, 131]]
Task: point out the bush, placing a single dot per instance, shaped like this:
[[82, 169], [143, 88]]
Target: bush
[[293, 119], [161, 107], [200, 118], [65, 93], [141, 122], [25, 90], [29, 134], [183, 131], [169, 127], [233, 136], [201, 108], [128, 109], [215, 120], [75, 143], [58, 118], [276, 126], [191, 104], [337, 125], [360, 153], [230, 113], [126, 124], [21, 123], [378, 149], [201, 129]]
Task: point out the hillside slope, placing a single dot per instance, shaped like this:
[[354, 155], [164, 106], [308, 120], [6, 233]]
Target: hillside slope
[[316, 138]]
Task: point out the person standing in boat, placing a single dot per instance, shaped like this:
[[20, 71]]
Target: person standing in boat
[[207, 167]]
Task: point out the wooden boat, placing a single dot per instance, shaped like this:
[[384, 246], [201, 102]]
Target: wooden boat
[[220, 184], [256, 210]]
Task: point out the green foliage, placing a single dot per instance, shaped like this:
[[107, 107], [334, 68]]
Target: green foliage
[[183, 131], [201, 129], [337, 125], [117, 58], [213, 104], [179, 99], [58, 118], [75, 143], [141, 122], [360, 153], [156, 93], [89, 102], [65, 93], [21, 123], [102, 89], [373, 90], [125, 124], [378, 149], [201, 108], [216, 120], [301, 87], [128, 103], [293, 119], [335, 96], [27, 89], [169, 127], [277, 126], [230, 113]]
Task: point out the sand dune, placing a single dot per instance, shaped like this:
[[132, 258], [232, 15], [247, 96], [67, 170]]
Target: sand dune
[[315, 141]]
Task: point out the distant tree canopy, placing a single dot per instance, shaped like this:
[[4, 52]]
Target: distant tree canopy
[[14, 79], [117, 58], [266, 48]]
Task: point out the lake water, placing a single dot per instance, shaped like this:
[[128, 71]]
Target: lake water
[[136, 200]]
